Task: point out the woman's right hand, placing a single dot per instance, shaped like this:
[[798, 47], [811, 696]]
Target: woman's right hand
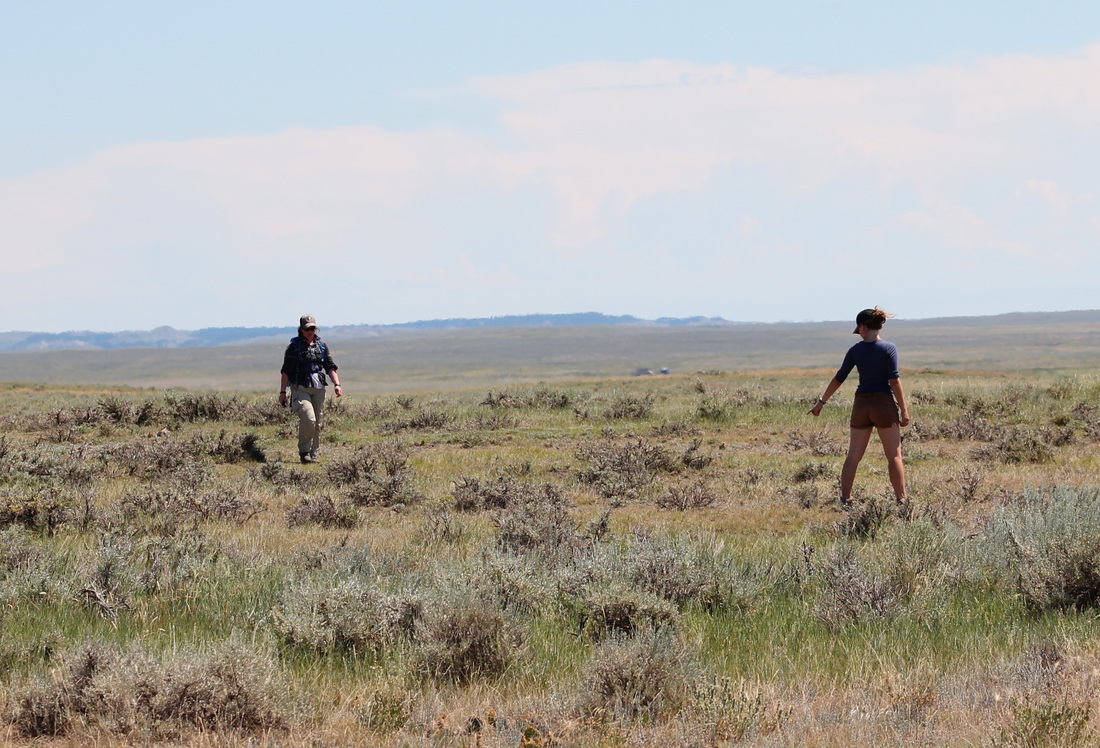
[[816, 410]]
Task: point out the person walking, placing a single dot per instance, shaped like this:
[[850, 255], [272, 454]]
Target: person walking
[[879, 403], [306, 364]]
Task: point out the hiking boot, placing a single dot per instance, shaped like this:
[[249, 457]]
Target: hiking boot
[[306, 459]]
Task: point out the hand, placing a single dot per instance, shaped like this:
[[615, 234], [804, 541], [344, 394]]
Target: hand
[[338, 390], [816, 410], [282, 398], [904, 419]]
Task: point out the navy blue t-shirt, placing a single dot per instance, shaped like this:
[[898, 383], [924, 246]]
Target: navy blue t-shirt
[[877, 363]]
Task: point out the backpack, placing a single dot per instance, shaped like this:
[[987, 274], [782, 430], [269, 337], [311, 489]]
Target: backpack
[[300, 349]]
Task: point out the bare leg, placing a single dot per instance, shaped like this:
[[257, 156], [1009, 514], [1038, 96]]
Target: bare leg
[[857, 446], [891, 445]]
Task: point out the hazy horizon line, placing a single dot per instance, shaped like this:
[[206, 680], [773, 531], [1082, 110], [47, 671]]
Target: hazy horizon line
[[628, 318]]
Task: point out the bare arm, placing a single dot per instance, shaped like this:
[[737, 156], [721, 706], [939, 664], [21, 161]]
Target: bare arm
[[899, 396], [832, 387]]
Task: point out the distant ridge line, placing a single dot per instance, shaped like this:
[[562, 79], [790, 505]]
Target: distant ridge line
[[168, 337]]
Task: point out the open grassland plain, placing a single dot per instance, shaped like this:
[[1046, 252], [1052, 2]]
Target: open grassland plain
[[434, 360], [640, 561]]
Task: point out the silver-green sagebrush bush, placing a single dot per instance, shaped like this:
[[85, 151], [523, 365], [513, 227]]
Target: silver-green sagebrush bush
[[322, 511], [629, 406], [326, 615], [473, 494], [460, 639], [537, 521], [612, 608], [517, 584], [685, 496], [730, 711], [621, 469], [126, 691], [684, 570], [1047, 546], [849, 593], [32, 571], [375, 475], [642, 677]]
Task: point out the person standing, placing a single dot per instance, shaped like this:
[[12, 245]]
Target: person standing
[[306, 363], [879, 403]]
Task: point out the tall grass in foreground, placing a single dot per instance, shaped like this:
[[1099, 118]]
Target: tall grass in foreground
[[655, 562]]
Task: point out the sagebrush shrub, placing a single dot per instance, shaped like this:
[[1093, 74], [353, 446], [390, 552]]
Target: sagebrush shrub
[[192, 407], [642, 677], [680, 570], [514, 584], [1017, 445], [715, 407], [442, 527], [927, 556], [72, 466], [17, 550], [264, 411], [1040, 720], [694, 458], [812, 471], [31, 571], [375, 475], [473, 494], [503, 400], [629, 406], [733, 711], [285, 478], [849, 593], [125, 411], [236, 448], [553, 399], [683, 496], [817, 442], [863, 520], [129, 694], [620, 610], [459, 641], [1047, 546], [323, 511], [537, 522], [680, 429], [967, 483], [171, 562], [545, 398], [325, 615], [386, 709], [493, 421], [42, 508], [158, 458], [622, 470], [175, 503], [423, 419]]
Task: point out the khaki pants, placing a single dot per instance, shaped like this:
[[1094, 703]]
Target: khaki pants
[[309, 404]]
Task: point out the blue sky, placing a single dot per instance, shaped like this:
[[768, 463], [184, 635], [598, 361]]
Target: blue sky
[[217, 164]]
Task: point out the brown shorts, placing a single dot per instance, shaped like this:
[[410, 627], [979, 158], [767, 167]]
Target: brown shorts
[[874, 409]]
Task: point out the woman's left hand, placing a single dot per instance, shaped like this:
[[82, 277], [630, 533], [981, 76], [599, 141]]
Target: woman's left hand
[[338, 390]]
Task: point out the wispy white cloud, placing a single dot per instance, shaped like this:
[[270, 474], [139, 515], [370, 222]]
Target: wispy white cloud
[[776, 165]]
